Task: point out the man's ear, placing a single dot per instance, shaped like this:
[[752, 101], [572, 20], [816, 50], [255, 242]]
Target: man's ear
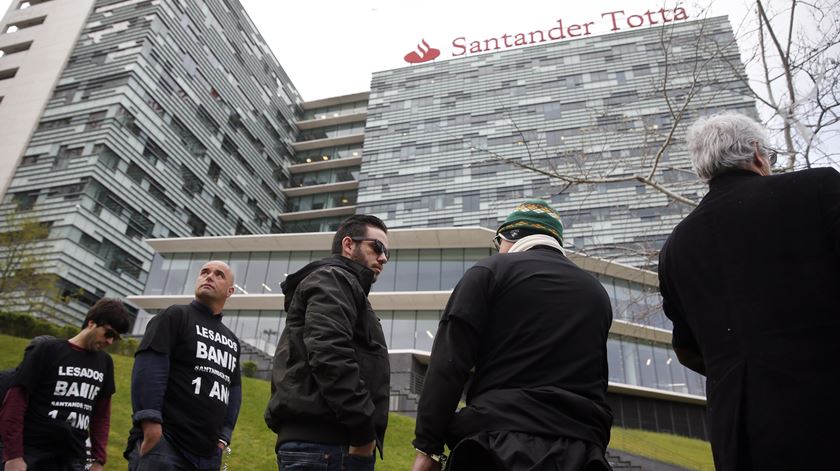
[[230, 291], [347, 246], [90, 324]]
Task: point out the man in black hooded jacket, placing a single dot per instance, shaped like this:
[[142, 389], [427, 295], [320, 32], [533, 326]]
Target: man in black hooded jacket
[[330, 380]]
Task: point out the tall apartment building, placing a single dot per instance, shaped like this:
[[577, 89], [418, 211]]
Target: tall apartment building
[[133, 119], [324, 171], [438, 133]]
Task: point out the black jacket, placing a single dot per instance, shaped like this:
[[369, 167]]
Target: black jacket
[[534, 327], [751, 280], [330, 379]]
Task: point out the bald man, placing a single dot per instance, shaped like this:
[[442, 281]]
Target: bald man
[[186, 388]]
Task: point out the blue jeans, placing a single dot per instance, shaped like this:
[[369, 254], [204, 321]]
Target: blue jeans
[[165, 457], [304, 456]]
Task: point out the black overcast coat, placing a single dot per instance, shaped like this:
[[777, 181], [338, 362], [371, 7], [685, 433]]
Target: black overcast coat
[[330, 378], [751, 280], [534, 327]]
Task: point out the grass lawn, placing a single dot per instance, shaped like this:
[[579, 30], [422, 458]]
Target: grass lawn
[[253, 443]]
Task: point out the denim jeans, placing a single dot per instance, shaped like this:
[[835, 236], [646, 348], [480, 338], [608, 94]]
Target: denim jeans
[[303, 456], [163, 457]]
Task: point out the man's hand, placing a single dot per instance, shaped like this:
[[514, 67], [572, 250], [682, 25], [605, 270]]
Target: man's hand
[[97, 466], [221, 445], [424, 463], [16, 464], [364, 450], [152, 431]]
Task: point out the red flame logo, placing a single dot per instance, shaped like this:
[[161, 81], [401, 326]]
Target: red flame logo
[[424, 53]]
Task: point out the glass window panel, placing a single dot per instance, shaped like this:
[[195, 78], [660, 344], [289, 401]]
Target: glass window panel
[[239, 264], [197, 260], [221, 256], [297, 260], [471, 256], [616, 366], [157, 275], [255, 280], [277, 267], [427, 324], [385, 280], [609, 284], [678, 373], [246, 328], [646, 364], [177, 273], [142, 320], [630, 355], [406, 270], [696, 383], [428, 270], [637, 308], [663, 369], [622, 299], [451, 267], [268, 332], [402, 330], [386, 318]]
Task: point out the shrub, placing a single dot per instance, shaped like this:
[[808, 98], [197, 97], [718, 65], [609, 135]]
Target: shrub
[[249, 368]]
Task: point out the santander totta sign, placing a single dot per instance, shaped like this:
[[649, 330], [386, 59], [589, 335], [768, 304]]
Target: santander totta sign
[[617, 20]]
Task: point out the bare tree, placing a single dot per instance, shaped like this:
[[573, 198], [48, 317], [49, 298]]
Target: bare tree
[[795, 81], [794, 48]]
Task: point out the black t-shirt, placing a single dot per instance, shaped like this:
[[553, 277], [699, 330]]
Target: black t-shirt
[[203, 365], [63, 383]]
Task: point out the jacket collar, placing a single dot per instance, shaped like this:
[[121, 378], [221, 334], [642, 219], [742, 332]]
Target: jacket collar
[[730, 177], [361, 272]]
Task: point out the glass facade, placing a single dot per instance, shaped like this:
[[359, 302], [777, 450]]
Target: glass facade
[[633, 362], [335, 111], [322, 201], [327, 153]]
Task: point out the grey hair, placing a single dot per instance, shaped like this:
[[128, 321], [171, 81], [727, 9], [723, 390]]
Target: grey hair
[[723, 142]]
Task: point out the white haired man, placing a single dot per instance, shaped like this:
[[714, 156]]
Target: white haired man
[[750, 279]]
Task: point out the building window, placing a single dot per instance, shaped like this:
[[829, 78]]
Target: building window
[[8, 73], [30, 3], [14, 48], [214, 172], [14, 27], [192, 185], [25, 201], [197, 226], [95, 120]]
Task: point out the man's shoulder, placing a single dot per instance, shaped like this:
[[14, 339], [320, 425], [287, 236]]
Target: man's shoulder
[[329, 274]]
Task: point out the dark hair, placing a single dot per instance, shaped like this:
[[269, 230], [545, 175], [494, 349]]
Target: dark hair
[[109, 311], [355, 226]]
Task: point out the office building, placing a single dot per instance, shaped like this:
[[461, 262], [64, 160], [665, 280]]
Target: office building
[[441, 136], [648, 388], [127, 119]]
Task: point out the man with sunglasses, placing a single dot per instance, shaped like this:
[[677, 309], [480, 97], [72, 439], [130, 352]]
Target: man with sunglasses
[[330, 378], [61, 395], [528, 328], [750, 280]]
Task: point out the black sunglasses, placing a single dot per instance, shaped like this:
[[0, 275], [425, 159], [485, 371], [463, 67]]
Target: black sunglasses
[[771, 154], [111, 333], [497, 241], [378, 246]]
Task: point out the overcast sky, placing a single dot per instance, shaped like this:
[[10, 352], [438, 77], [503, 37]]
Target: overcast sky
[[331, 47]]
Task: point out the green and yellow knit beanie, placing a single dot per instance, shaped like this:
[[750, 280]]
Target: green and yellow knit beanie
[[535, 216]]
